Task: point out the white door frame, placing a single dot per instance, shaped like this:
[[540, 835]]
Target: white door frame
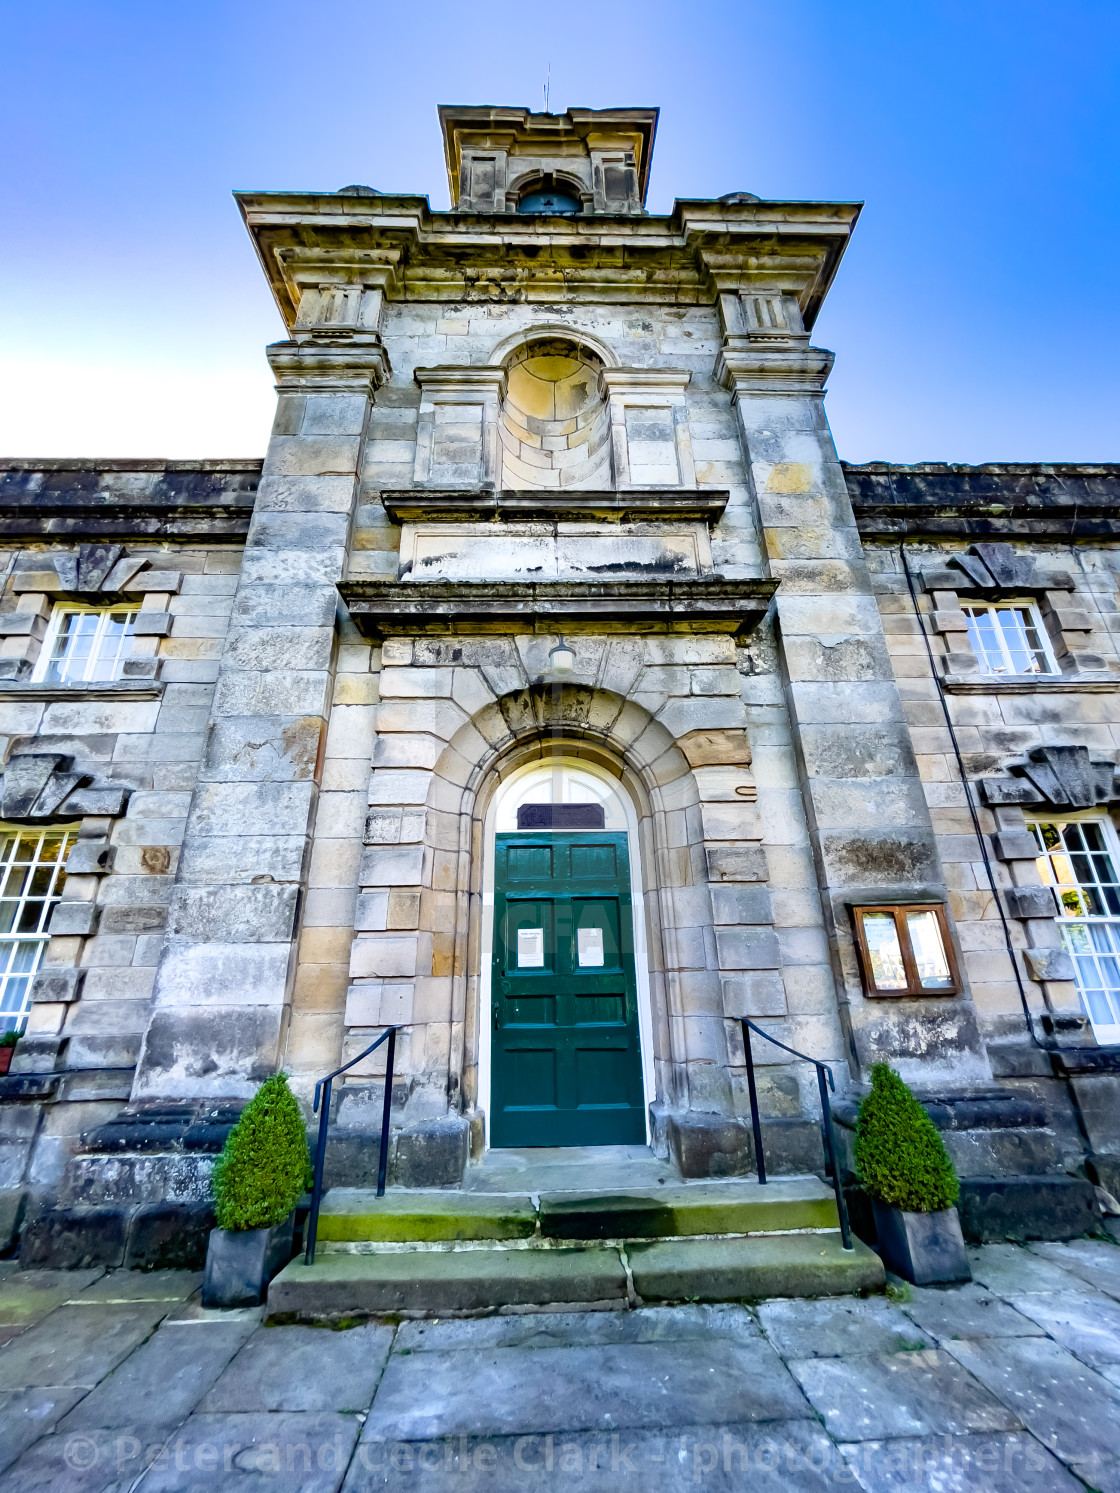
[[597, 786]]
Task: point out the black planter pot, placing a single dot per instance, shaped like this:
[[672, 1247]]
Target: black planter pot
[[240, 1263], [925, 1248]]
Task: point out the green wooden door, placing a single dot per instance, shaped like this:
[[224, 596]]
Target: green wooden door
[[567, 1068]]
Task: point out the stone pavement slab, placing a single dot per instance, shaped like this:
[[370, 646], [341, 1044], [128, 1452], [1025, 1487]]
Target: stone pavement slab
[[164, 1379], [834, 1326], [579, 1329], [86, 1461], [959, 1464], [779, 1457], [965, 1311], [27, 1414], [26, 1296], [880, 1396], [1087, 1325], [302, 1369], [141, 1285], [77, 1344], [507, 1391], [1013, 1271], [1091, 1260], [261, 1453], [1069, 1407]]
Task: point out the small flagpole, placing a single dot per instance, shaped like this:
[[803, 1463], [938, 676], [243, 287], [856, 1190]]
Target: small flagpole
[[547, 80]]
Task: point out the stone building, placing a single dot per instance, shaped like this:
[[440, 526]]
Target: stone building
[[554, 692]]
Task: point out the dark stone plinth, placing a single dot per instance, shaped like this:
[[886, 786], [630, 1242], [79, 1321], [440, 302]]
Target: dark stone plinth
[[75, 1238], [710, 1145], [169, 1236], [428, 1153], [1031, 1207], [431, 1153], [201, 1126]]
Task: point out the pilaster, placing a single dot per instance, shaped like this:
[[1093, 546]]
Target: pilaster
[[869, 823], [222, 992]]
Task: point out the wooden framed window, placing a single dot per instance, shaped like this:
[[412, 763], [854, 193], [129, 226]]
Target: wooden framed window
[[31, 882], [905, 950], [85, 645], [1009, 638]]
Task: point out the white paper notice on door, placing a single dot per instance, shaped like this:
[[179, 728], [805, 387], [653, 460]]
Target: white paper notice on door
[[530, 948], [589, 946]]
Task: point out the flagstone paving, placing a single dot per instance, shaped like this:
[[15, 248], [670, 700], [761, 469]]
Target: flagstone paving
[[119, 1382]]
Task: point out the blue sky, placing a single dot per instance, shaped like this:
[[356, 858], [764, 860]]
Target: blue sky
[[975, 317]]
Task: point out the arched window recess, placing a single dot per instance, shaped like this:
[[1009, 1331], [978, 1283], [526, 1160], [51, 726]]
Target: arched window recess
[[551, 196]]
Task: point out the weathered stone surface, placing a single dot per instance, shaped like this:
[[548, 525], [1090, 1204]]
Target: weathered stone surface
[[749, 1269], [164, 1379], [77, 1345], [429, 1395], [917, 1393], [438, 1282], [1068, 1406], [284, 1370]]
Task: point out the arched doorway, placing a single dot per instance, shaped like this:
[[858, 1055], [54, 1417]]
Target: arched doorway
[[565, 1049]]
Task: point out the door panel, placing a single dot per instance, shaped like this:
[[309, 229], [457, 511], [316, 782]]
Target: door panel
[[566, 1053]]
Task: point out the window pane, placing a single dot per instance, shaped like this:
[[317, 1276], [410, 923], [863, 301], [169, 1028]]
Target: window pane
[[929, 950], [881, 935]]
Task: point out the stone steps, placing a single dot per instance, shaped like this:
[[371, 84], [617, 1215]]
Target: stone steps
[[437, 1252], [352, 1215], [436, 1281]]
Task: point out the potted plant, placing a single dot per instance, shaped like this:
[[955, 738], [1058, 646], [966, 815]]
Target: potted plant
[[908, 1174], [8, 1042], [257, 1182]]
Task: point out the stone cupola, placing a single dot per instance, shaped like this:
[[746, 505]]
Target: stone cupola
[[581, 161]]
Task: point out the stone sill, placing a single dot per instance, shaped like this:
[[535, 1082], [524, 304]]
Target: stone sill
[[442, 608], [989, 684], [470, 505], [122, 690]]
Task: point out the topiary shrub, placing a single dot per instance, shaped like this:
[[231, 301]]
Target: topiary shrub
[[263, 1167], [900, 1158]]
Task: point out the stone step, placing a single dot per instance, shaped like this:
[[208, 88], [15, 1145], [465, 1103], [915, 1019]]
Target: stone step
[[695, 1208], [352, 1215], [486, 1277]]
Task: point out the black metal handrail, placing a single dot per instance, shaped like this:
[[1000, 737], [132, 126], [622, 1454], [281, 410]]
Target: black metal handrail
[[324, 1085], [831, 1162]]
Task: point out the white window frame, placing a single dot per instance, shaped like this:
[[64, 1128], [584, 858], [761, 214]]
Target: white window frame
[[66, 609], [1106, 1033], [1022, 604], [11, 942]]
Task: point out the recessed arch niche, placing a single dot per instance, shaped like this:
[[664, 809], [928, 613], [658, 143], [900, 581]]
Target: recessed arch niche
[[554, 426]]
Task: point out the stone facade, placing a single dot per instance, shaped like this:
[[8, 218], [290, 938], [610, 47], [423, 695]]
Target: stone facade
[[498, 429]]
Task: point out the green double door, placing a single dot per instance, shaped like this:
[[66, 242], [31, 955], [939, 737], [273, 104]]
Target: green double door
[[567, 1068]]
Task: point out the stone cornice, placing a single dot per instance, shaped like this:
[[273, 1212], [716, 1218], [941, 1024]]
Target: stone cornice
[[427, 608], [767, 369], [409, 252], [98, 499], [1000, 500], [655, 505], [357, 361]]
